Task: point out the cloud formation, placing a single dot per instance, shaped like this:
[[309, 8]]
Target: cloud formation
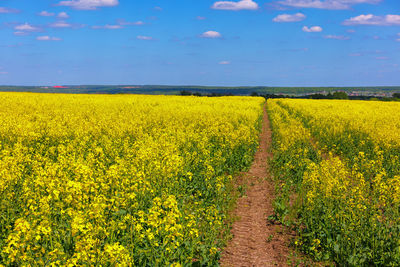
[[21, 33], [88, 4], [211, 34], [2, 72], [235, 6], [327, 4], [128, 23], [337, 37], [26, 28], [225, 62], [47, 38], [119, 25], [108, 27], [5, 10], [46, 14], [145, 38], [60, 24], [62, 15], [371, 19], [289, 17], [312, 29]]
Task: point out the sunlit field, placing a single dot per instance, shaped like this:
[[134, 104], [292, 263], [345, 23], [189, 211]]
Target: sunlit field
[[338, 172], [120, 180]]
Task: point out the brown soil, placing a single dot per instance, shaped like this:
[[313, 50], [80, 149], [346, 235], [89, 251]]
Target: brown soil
[[256, 241]]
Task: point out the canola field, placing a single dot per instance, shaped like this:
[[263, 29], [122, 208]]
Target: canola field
[[338, 176], [92, 180]]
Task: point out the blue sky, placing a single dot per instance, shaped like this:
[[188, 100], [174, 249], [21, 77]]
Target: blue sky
[[203, 42]]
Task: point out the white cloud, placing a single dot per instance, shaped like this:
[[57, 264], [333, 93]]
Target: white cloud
[[20, 33], [46, 14], [289, 18], [26, 27], [225, 62], [12, 46], [137, 23], [4, 10], [371, 19], [119, 25], [60, 24], [211, 34], [108, 27], [47, 38], [88, 4], [145, 38], [2, 72], [126, 23], [312, 29], [63, 15], [393, 19], [337, 37], [230, 5], [327, 4]]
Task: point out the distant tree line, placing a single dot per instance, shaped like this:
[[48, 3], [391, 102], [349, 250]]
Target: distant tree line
[[213, 94], [270, 92], [396, 95], [334, 95]]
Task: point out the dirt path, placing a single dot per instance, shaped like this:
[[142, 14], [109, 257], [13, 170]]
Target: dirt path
[[257, 242]]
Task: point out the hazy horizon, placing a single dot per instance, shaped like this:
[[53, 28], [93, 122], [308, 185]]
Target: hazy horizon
[[196, 85]]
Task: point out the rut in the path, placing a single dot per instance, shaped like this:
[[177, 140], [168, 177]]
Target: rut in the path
[[256, 241]]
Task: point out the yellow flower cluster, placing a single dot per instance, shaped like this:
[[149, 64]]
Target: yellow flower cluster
[[379, 120], [340, 161], [119, 180]]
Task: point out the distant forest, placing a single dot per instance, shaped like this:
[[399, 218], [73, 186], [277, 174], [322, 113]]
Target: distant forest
[[201, 90]]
